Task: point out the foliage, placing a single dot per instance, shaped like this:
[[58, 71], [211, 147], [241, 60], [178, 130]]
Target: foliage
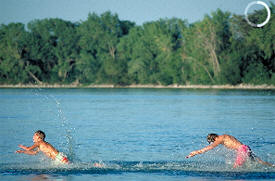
[[220, 49]]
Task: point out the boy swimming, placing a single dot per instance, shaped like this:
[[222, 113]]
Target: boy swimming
[[243, 152], [41, 145]]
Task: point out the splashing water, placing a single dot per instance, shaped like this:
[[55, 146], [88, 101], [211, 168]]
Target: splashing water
[[69, 144], [69, 130], [163, 167]]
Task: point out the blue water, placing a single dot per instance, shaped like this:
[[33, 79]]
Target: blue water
[[136, 134]]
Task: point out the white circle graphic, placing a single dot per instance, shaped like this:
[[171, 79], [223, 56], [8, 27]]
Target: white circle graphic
[[267, 9]]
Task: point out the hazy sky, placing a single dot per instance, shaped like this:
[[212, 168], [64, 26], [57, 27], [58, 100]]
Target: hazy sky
[[139, 11]]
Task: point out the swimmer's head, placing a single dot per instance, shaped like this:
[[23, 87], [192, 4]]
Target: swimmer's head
[[211, 137], [38, 135]]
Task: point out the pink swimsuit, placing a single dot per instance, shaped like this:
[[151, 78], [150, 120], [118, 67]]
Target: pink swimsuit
[[243, 153]]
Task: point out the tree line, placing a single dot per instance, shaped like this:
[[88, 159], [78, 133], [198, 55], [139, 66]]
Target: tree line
[[222, 48]]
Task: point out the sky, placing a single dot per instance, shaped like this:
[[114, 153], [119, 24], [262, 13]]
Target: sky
[[138, 11]]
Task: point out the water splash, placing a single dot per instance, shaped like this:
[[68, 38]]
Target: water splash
[[162, 167], [69, 144], [68, 129]]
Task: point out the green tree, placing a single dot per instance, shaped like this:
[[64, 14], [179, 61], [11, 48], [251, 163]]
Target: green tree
[[256, 47], [13, 68], [53, 48], [204, 43], [220, 49], [66, 50], [99, 37], [152, 53]]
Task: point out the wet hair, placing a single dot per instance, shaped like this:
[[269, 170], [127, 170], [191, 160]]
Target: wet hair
[[41, 134], [211, 137]]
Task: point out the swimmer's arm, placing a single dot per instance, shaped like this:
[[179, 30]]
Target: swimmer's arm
[[28, 152], [29, 148], [205, 149]]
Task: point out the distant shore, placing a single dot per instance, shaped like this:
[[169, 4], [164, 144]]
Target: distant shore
[[240, 86]]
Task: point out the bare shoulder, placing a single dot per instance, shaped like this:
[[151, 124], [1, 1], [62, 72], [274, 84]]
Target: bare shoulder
[[41, 143], [49, 146], [222, 137], [227, 136], [231, 141], [44, 144]]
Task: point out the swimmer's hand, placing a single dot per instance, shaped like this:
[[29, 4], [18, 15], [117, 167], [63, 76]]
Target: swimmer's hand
[[19, 151], [193, 153], [22, 146]]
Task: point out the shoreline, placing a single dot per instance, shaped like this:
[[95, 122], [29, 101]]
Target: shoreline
[[240, 86]]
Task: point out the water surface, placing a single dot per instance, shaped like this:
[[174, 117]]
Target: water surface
[[137, 134]]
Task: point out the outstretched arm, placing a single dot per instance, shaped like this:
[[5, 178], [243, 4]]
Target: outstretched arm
[[28, 148], [28, 152], [196, 152], [205, 149]]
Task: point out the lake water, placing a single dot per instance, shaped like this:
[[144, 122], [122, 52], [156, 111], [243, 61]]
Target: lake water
[[136, 134]]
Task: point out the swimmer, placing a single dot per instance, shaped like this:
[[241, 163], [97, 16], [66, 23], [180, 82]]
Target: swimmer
[[41, 145], [243, 152]]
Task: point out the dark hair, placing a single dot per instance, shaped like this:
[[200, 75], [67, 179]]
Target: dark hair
[[211, 137], [41, 134]]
